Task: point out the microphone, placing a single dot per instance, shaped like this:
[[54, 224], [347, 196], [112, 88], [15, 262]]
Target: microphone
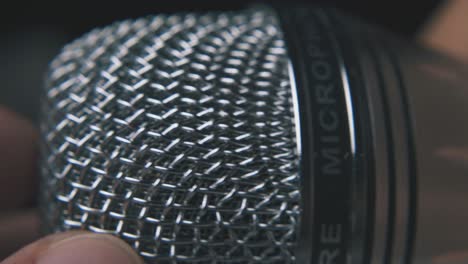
[[265, 135]]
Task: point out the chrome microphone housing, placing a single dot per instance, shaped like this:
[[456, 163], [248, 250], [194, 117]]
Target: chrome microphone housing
[[265, 135], [177, 134]]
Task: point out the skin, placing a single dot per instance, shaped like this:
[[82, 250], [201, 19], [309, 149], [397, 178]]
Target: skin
[[19, 221], [447, 31], [20, 242]]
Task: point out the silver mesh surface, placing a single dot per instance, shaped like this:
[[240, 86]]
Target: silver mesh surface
[[175, 133]]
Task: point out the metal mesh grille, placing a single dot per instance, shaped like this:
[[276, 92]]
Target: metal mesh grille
[[175, 133]]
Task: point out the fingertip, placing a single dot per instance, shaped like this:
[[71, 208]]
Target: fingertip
[[17, 229], [18, 157], [446, 30], [76, 248]]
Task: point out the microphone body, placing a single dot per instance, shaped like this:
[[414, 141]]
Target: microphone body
[[267, 135]]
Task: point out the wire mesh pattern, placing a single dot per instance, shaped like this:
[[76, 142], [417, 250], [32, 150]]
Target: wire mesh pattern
[[175, 133]]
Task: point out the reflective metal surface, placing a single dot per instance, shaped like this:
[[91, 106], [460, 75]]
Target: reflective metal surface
[[176, 133]]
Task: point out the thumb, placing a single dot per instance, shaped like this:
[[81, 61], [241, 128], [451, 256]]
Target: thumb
[[75, 248]]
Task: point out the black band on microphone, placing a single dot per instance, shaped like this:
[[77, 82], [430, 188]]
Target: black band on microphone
[[328, 135]]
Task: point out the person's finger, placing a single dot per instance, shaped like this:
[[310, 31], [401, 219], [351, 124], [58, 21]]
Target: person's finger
[[18, 152], [447, 31], [17, 229], [76, 248]]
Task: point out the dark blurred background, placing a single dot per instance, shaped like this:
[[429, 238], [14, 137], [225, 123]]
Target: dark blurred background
[[32, 33]]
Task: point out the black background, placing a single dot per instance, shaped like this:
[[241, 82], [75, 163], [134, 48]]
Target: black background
[[32, 33]]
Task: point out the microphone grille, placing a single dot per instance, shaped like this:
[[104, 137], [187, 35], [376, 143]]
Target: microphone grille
[[175, 133]]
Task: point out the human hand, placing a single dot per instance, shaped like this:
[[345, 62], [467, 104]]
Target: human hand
[[19, 222]]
